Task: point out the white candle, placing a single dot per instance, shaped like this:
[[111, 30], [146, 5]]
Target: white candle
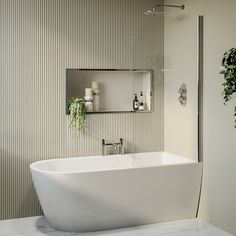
[[88, 92], [94, 85]]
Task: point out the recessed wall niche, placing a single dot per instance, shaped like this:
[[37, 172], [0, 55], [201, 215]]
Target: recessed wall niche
[[116, 88]]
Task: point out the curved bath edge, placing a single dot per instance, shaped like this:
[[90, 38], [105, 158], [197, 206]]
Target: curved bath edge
[[147, 188]]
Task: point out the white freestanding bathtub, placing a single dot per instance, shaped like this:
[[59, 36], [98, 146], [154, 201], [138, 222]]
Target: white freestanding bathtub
[[98, 193]]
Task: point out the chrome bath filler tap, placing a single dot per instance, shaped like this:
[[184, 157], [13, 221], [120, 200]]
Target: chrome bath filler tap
[[117, 147]]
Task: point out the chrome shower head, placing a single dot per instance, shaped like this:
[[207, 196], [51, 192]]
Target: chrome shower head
[[156, 12]]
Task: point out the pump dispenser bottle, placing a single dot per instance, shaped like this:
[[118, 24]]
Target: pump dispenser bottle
[[141, 102]]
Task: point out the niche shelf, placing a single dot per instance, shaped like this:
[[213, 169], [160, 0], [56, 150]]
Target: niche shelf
[[116, 88]]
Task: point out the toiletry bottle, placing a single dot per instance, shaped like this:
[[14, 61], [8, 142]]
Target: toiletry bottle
[[135, 103], [141, 102]]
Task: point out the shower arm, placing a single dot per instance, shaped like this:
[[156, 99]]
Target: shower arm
[[167, 5]]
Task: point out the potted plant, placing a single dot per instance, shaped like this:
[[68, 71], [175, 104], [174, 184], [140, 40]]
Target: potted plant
[[77, 114], [229, 71]]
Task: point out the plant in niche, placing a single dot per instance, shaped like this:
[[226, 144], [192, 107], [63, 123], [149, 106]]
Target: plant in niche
[[229, 65], [77, 114]]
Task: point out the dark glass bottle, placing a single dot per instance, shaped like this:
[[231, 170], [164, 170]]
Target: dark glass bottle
[[135, 103]]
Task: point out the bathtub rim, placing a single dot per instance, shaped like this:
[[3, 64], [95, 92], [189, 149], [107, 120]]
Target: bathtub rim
[[33, 166]]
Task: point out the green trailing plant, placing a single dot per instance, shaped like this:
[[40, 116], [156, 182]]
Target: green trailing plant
[[77, 114], [229, 71]]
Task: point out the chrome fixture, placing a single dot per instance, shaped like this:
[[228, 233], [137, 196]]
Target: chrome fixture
[[157, 12], [183, 94], [200, 86], [118, 147]]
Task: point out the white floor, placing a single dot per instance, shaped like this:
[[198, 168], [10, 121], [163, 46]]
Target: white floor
[[38, 226]]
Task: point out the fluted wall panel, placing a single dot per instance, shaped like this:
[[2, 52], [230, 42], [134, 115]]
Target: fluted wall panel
[[39, 39]]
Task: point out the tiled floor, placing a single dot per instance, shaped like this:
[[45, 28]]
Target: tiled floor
[[38, 226]]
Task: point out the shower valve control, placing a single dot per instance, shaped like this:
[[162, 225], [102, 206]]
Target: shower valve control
[[183, 94]]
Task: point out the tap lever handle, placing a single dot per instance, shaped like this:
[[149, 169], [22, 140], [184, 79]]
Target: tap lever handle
[[121, 141], [103, 142]]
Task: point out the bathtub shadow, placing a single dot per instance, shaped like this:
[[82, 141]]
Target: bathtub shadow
[[43, 227]]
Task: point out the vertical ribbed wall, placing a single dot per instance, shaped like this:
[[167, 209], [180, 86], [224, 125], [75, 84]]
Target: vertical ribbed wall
[[39, 39]]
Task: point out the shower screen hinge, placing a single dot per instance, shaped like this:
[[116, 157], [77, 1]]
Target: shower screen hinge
[[183, 94]]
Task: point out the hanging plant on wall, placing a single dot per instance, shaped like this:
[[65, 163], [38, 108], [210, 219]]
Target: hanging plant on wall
[[229, 65], [77, 114]]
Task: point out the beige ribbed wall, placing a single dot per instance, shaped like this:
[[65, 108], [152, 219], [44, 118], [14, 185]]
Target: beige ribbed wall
[[39, 39]]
